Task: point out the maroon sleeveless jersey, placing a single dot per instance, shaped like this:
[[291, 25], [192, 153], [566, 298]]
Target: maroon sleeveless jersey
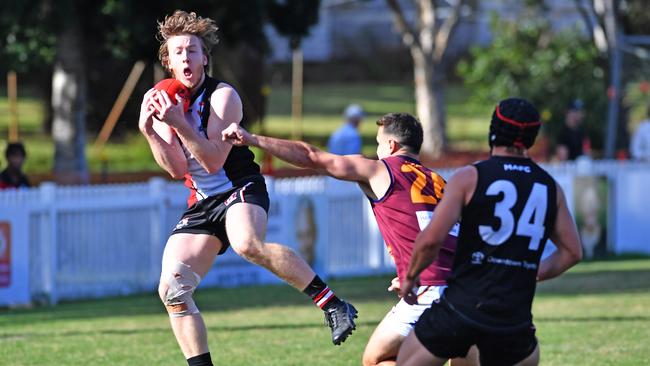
[[405, 210]]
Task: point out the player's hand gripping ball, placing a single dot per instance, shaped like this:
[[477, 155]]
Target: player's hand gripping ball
[[174, 87]]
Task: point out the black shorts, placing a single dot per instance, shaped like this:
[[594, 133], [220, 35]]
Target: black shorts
[[444, 333], [208, 216]]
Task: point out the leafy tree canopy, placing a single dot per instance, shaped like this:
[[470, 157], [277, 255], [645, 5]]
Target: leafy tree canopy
[[635, 17], [293, 18], [115, 29], [529, 60]]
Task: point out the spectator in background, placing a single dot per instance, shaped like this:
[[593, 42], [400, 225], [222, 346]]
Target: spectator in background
[[640, 147], [346, 140], [13, 176], [572, 141]]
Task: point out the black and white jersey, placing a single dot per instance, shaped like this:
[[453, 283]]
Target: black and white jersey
[[239, 163], [503, 231]]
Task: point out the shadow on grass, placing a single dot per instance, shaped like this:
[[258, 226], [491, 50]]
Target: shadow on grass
[[149, 330], [592, 319], [208, 300], [600, 282], [289, 326]]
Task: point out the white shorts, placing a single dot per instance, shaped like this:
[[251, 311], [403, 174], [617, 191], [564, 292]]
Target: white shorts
[[402, 316]]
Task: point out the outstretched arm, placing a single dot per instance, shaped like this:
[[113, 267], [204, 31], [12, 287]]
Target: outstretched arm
[[347, 167], [566, 239]]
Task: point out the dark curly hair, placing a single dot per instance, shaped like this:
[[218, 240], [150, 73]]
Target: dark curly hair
[[515, 122]]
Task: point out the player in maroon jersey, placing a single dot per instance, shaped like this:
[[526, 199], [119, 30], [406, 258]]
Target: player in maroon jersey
[[403, 195], [510, 207]]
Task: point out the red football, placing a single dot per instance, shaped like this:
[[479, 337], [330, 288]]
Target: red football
[[174, 87]]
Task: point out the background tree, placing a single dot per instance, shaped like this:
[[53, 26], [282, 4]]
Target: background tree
[[293, 19], [61, 50], [74, 42], [240, 56], [608, 23], [635, 17], [528, 59], [428, 42]]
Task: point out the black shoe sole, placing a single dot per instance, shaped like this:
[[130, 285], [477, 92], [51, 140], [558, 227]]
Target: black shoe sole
[[345, 335]]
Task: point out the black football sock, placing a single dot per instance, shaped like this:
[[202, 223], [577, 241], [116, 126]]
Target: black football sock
[[320, 294], [200, 360]]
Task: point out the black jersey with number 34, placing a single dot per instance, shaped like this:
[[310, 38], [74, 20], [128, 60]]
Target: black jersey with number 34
[[503, 231]]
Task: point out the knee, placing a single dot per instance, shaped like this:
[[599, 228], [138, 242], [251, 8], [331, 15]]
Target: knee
[[250, 249], [162, 290], [369, 361], [176, 289], [370, 358]]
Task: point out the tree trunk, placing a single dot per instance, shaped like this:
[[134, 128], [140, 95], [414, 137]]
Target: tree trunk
[[439, 121], [428, 41], [69, 107], [430, 104], [242, 66]]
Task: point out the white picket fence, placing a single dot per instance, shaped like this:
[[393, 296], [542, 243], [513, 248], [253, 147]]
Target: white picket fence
[[94, 241]]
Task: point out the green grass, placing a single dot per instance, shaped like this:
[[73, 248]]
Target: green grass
[[597, 314], [30, 115], [323, 106]]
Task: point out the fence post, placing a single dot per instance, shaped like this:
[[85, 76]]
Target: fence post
[[159, 207], [374, 239], [12, 96], [49, 242]]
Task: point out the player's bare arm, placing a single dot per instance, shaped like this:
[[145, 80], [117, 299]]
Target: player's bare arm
[[164, 145], [349, 167], [566, 239], [211, 153], [458, 192], [370, 174]]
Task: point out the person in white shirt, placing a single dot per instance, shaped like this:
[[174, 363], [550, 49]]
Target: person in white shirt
[[346, 140], [640, 147]]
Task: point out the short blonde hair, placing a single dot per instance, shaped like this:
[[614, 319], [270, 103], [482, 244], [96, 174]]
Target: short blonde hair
[[182, 22]]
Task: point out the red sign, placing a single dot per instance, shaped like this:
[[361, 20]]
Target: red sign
[[5, 254]]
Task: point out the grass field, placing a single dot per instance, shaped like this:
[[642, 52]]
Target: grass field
[[598, 314], [323, 106]]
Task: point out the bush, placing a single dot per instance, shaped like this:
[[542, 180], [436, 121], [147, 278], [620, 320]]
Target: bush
[[528, 59]]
